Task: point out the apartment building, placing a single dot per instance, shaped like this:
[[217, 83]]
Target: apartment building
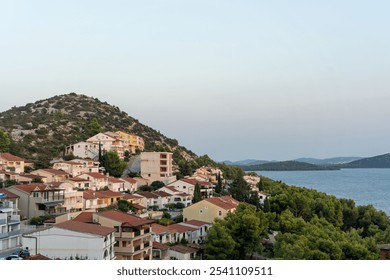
[[157, 166], [10, 235]]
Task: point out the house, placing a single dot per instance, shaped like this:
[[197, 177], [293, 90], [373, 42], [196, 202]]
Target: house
[[51, 175], [72, 240], [98, 180], [150, 199], [83, 150], [70, 167], [201, 227], [80, 183], [130, 184], [10, 235], [88, 165], [27, 178], [182, 232], [104, 198], [209, 209], [6, 175], [116, 185], [177, 196], [132, 234], [12, 163], [90, 201], [181, 252], [157, 166], [187, 185], [160, 251], [207, 174], [73, 199], [108, 141], [142, 182], [162, 234], [39, 200]]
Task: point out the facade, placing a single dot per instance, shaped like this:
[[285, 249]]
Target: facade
[[83, 150], [130, 184], [98, 180], [51, 175], [132, 234], [10, 235], [39, 200], [11, 163], [157, 166], [208, 209], [88, 165], [73, 199], [187, 185], [72, 240], [131, 142]]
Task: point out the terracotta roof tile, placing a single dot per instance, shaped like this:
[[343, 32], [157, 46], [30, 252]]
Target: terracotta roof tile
[[85, 228], [148, 194], [8, 194], [84, 217], [183, 249], [160, 246], [225, 202], [194, 182], [159, 229], [32, 187], [54, 171], [125, 218], [162, 193], [10, 157], [130, 180], [180, 228], [196, 223]]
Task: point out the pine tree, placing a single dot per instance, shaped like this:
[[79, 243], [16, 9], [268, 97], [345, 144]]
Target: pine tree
[[197, 194]]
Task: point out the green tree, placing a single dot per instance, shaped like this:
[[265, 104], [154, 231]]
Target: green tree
[[219, 187], [113, 164], [240, 189], [219, 243], [5, 142], [248, 227], [94, 127], [197, 194], [157, 185]]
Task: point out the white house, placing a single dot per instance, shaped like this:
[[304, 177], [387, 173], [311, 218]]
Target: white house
[[83, 150], [72, 240]]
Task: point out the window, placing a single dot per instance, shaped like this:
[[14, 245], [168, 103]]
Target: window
[[200, 211], [220, 213]]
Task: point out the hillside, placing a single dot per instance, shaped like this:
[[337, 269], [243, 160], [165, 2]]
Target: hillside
[[41, 130], [327, 161], [381, 161], [286, 166]]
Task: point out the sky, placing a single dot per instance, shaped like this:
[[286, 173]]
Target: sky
[[273, 80]]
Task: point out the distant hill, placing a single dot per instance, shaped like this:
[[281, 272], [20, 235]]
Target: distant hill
[[286, 166], [41, 130], [327, 161], [381, 161], [245, 162]]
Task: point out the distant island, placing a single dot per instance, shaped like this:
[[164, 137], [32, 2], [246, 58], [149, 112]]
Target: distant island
[[307, 164]]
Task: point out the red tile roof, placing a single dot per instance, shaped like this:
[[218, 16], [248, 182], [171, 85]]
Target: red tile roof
[[89, 195], [95, 175], [53, 171], [85, 228], [226, 202], [179, 228], [194, 182], [8, 193], [148, 194], [130, 180], [38, 257], [10, 157], [183, 249], [171, 188], [196, 223], [125, 218], [162, 193], [160, 246], [115, 180], [159, 229], [33, 187], [131, 196], [84, 217]]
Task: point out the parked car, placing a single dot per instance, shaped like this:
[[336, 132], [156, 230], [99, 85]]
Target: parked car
[[12, 257]]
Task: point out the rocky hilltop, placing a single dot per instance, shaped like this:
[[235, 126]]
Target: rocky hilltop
[[41, 130]]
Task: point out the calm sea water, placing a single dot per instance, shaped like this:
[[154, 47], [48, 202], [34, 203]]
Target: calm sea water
[[364, 186]]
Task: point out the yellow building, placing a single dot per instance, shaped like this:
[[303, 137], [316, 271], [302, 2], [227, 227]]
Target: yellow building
[[208, 209], [131, 142]]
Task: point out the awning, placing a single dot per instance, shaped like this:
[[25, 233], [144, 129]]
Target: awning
[[51, 203]]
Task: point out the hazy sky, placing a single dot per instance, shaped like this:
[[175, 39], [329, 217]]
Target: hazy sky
[[231, 79]]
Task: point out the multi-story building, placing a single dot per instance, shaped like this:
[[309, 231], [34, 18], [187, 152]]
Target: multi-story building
[[131, 142], [132, 234], [72, 240], [11, 163], [187, 185], [39, 200], [97, 180], [10, 235], [157, 166], [83, 150]]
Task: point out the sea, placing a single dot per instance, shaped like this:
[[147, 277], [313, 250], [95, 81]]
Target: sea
[[364, 186]]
